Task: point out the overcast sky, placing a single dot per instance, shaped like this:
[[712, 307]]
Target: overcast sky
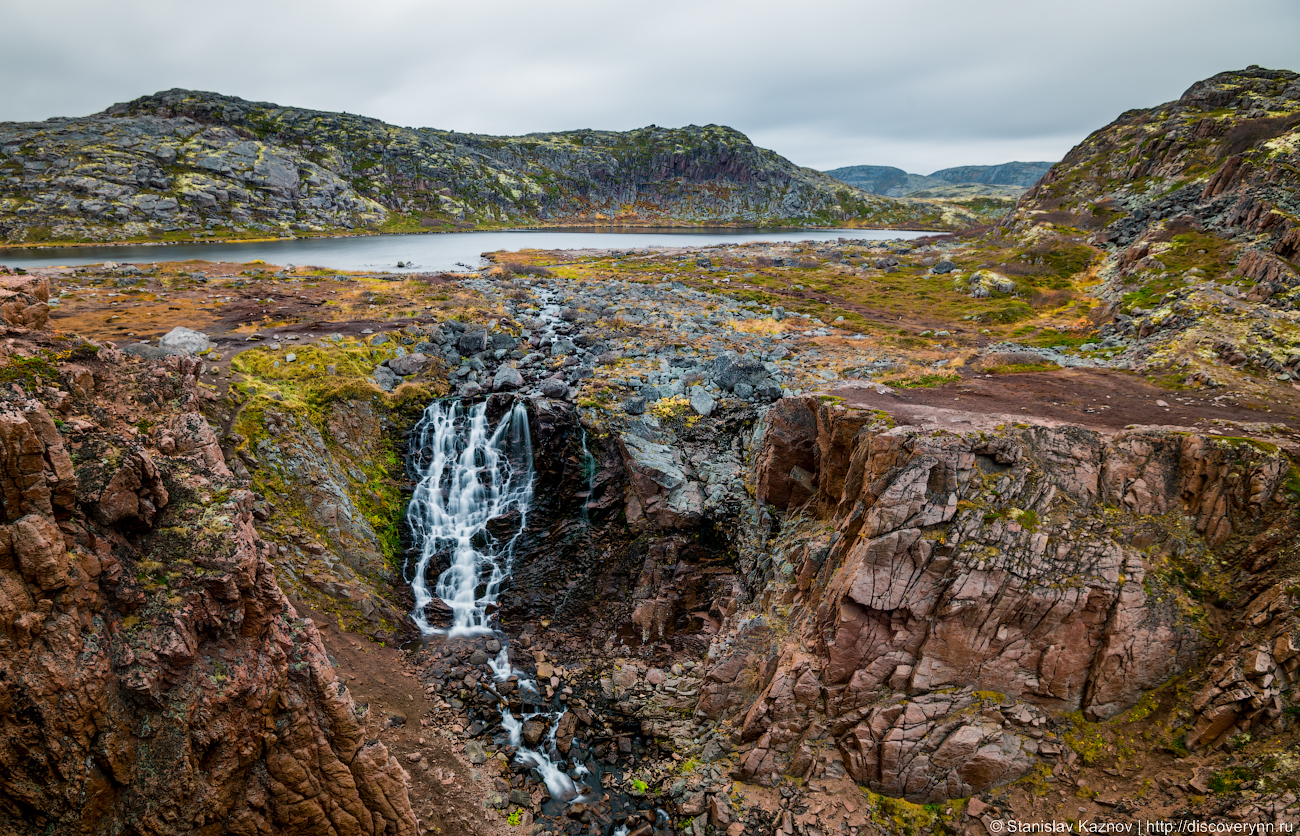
[[918, 84]]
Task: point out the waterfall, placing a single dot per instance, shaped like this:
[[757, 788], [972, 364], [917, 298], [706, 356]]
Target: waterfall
[[468, 477], [589, 468]]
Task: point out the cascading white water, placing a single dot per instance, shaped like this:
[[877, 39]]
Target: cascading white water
[[469, 477]]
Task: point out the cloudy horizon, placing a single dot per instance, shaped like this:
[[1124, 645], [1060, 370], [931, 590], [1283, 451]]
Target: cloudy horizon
[[929, 86]]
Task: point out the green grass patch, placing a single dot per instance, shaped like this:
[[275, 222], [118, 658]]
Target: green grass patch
[[1021, 368], [925, 381]]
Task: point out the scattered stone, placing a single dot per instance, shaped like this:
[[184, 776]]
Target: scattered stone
[[386, 378]]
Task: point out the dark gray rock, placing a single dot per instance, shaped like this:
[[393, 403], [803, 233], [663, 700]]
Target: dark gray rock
[[386, 378], [555, 388], [472, 342], [944, 266], [729, 369], [634, 405], [507, 378], [149, 352], [409, 365]]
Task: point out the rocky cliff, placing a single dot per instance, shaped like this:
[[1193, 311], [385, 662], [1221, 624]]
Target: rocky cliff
[[153, 677], [957, 591], [182, 165]]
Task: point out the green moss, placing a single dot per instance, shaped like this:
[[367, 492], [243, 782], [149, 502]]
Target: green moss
[[925, 381], [1085, 739], [897, 815]]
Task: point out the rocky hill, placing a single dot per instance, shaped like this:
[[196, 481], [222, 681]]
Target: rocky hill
[[1018, 174], [1196, 205], [182, 165], [894, 182], [987, 191]]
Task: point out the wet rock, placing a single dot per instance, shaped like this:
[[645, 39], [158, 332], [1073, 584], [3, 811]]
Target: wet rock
[[532, 732]]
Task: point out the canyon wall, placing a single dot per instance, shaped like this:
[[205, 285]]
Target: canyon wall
[[923, 608], [153, 676]]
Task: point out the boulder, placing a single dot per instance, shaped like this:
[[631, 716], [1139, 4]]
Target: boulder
[[662, 491], [24, 301], [185, 341], [386, 378], [702, 402], [553, 387], [507, 378], [409, 365], [729, 368], [472, 342], [38, 547], [944, 266]]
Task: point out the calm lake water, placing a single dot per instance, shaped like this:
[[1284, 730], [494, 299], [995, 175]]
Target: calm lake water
[[445, 251]]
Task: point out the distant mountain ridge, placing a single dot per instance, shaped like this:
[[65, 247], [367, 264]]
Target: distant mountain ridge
[[895, 182], [186, 165]]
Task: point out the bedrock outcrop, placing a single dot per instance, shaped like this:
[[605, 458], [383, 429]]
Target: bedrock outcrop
[[932, 599], [153, 677]]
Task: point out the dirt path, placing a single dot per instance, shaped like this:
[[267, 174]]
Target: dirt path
[[1096, 398], [447, 792]]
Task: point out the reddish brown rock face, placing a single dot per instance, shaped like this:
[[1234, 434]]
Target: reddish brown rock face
[[24, 301], [151, 670], [962, 565]]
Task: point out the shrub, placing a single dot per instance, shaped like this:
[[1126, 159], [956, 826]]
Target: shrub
[[521, 269]]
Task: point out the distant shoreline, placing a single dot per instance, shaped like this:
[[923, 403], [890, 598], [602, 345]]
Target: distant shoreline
[[644, 229]]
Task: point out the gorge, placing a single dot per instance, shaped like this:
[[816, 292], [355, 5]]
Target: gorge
[[853, 535]]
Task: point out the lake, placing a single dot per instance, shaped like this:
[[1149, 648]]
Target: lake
[[434, 252]]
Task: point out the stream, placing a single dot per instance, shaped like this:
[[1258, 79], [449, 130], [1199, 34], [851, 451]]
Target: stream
[[472, 474]]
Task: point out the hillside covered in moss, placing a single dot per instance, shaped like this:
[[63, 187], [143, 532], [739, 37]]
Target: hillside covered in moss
[[185, 165]]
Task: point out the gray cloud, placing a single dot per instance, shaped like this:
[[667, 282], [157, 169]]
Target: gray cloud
[[922, 85]]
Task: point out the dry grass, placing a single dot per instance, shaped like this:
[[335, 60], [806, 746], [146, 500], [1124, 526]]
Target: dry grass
[[759, 326]]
